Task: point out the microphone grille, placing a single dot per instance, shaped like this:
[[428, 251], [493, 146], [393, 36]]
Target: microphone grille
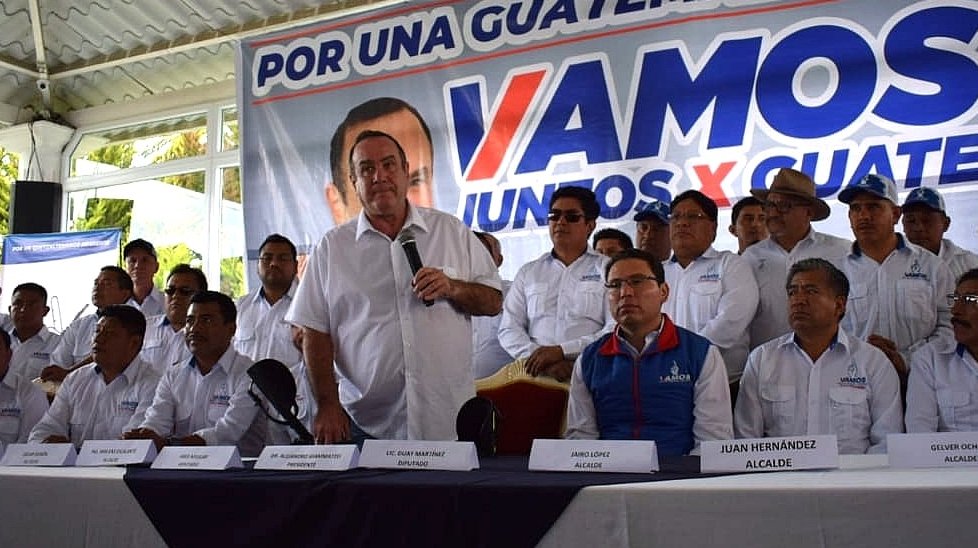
[[406, 235]]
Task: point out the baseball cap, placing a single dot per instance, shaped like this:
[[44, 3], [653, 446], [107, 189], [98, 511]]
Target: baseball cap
[[877, 185], [138, 243], [926, 196], [656, 209]]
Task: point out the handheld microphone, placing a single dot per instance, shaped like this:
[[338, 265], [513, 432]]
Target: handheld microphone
[[406, 238]]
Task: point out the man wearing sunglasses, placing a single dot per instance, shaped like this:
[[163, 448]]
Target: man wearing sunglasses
[[649, 379], [790, 204], [556, 304], [164, 344], [942, 395]]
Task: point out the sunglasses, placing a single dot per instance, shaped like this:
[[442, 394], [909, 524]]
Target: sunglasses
[[183, 291], [570, 216]]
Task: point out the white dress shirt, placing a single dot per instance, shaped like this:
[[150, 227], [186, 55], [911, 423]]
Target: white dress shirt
[[404, 369], [162, 346], [22, 404], [280, 434], [215, 406], [488, 356], [715, 296], [154, 303], [770, 264], [851, 391], [902, 299], [553, 304], [262, 330], [942, 393], [31, 356], [76, 342], [85, 408], [957, 259]]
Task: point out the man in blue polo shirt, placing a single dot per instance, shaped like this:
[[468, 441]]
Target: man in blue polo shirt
[[648, 379]]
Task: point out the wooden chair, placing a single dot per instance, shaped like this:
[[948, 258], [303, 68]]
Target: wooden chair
[[529, 407]]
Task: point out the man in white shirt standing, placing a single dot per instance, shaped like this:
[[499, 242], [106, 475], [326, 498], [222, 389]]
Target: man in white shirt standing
[[652, 230], [896, 302], [103, 399], [556, 305], [403, 367], [32, 342], [942, 395], [22, 403], [165, 343], [925, 221], [817, 379], [715, 292], [141, 263], [791, 204], [205, 400]]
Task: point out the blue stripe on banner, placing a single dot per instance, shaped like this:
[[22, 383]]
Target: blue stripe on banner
[[36, 248]]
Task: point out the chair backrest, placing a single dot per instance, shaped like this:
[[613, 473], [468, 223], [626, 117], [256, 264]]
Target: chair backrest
[[529, 407]]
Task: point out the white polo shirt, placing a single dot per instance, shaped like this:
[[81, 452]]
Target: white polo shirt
[[31, 356], [488, 356], [851, 391], [957, 259], [76, 342], [553, 304], [942, 393], [715, 296], [162, 346], [85, 408], [262, 330], [22, 404]]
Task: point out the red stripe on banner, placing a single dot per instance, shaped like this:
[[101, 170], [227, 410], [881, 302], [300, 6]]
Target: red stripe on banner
[[535, 47]]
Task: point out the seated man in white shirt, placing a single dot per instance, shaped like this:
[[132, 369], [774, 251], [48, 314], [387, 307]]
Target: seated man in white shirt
[[32, 342], [818, 379], [205, 400], [22, 403], [165, 344], [103, 399], [649, 379], [942, 395]]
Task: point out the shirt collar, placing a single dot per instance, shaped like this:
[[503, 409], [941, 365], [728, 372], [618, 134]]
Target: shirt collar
[[413, 220], [708, 254], [901, 246], [667, 340], [840, 338], [44, 334], [223, 363]]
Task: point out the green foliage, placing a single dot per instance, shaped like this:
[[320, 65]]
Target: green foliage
[[171, 256], [119, 155], [232, 276], [187, 144], [8, 174]]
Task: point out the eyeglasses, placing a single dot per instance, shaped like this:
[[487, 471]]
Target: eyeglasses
[[634, 283], [569, 216], [781, 207], [267, 258], [689, 217], [183, 291], [969, 299]]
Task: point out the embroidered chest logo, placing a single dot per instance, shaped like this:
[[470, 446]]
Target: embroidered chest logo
[[221, 398], [915, 273], [592, 277], [852, 378], [675, 375], [711, 275], [41, 355], [10, 412], [128, 406]]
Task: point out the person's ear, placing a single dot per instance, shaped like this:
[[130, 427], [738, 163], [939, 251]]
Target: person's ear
[[336, 205]]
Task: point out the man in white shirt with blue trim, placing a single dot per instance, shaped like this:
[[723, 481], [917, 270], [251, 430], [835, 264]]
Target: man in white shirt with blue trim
[[896, 298], [205, 400], [32, 342], [22, 403], [556, 305], [791, 205], [141, 264], [714, 292], [103, 399], [165, 342], [925, 221], [942, 395], [818, 379]]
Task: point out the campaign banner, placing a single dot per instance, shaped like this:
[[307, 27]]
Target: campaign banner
[[64, 263], [497, 103]]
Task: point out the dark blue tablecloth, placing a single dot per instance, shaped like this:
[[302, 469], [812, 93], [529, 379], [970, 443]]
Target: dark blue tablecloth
[[501, 504]]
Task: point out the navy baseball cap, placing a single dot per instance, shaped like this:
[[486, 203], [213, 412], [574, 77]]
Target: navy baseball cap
[[877, 185], [655, 210], [926, 196]]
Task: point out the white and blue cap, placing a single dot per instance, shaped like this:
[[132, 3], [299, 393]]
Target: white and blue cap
[[925, 196], [877, 185], [655, 210]]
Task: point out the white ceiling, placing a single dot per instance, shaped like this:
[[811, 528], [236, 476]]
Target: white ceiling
[[98, 53]]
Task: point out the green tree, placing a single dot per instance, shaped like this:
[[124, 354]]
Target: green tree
[[119, 155], [232, 276], [8, 174], [186, 144]]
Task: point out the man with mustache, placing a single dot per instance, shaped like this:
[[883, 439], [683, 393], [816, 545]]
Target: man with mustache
[[896, 302], [165, 342], [648, 379], [818, 379], [942, 395]]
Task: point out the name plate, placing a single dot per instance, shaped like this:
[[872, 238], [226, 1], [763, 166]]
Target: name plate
[[39, 454], [638, 456], [217, 457], [763, 454], [308, 457], [115, 452], [421, 455], [937, 449]]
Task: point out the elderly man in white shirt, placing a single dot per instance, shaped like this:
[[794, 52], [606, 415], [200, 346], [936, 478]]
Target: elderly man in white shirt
[[896, 301], [22, 403], [791, 205], [715, 294], [925, 221], [165, 342], [556, 305], [205, 400], [32, 342], [103, 399], [942, 395], [817, 379], [141, 264]]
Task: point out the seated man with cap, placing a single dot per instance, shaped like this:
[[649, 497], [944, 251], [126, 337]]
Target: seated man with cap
[[141, 263], [652, 230], [925, 221], [105, 398], [791, 204]]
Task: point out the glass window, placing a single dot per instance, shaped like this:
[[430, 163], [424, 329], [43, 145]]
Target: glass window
[[8, 174], [232, 234], [229, 129]]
